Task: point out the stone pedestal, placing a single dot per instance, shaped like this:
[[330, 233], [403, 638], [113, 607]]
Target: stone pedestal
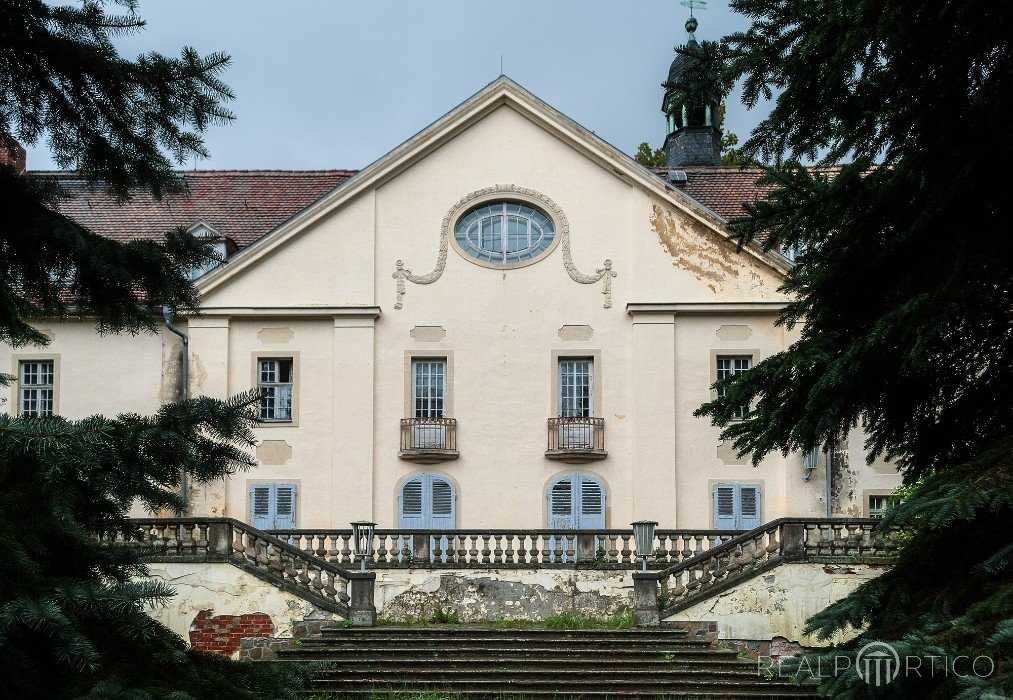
[[645, 599], [362, 611]]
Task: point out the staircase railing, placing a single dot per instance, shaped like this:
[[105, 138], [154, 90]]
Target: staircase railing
[[658, 594], [605, 549], [323, 583]]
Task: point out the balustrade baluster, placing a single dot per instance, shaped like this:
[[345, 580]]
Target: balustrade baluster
[[508, 552], [497, 552], [346, 550], [626, 551], [486, 551]]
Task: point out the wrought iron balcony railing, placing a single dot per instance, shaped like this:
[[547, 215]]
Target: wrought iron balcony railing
[[576, 439], [428, 439]]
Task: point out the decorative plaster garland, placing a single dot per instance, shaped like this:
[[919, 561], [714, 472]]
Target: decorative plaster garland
[[605, 273]]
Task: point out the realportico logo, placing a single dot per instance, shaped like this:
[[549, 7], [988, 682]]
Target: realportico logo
[[877, 663]]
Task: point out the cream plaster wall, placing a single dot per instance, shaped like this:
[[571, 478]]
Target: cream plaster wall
[[502, 328], [778, 603], [139, 370]]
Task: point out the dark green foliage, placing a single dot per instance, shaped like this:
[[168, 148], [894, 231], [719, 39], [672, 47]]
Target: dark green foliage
[[651, 158], [72, 620], [120, 123], [904, 289], [72, 612]]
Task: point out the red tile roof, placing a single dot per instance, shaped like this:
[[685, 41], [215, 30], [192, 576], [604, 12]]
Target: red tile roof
[[247, 204], [240, 204], [721, 189]]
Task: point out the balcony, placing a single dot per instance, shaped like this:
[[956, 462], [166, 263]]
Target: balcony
[[577, 439], [428, 440]]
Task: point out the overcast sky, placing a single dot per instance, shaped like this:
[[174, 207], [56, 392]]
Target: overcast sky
[[336, 84]]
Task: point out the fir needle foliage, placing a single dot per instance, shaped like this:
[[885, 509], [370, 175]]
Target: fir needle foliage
[[903, 293], [72, 612], [122, 124]]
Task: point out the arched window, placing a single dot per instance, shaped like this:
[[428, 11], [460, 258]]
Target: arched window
[[427, 502], [504, 233], [576, 502]]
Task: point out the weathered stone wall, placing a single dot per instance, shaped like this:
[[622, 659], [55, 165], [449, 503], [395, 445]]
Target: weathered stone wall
[[502, 594], [205, 591], [778, 603]]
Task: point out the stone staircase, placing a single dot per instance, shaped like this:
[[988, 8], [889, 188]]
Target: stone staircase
[[478, 662]]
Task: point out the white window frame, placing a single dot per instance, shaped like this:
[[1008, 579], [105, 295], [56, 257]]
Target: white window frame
[[731, 365], [268, 385], [36, 387], [881, 510], [429, 388], [575, 378]]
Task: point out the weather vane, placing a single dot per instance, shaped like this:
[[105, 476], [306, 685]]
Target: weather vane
[[694, 5], [691, 23]]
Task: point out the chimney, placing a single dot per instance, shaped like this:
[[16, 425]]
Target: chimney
[[12, 154]]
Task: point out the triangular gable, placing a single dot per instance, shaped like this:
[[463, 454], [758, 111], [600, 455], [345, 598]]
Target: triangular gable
[[502, 91]]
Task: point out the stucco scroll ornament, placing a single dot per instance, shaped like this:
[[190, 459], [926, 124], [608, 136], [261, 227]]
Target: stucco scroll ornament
[[603, 274]]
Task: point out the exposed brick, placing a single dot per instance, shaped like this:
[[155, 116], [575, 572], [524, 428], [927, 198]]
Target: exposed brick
[[224, 634]]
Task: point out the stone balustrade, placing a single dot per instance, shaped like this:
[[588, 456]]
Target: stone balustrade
[[658, 594], [323, 583], [605, 549]]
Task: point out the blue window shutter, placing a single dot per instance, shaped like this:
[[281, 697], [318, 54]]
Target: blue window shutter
[[749, 506], [561, 504], [441, 511], [724, 507], [591, 514], [261, 501], [284, 506], [411, 504]]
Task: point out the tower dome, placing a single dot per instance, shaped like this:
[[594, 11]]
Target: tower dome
[[692, 136]]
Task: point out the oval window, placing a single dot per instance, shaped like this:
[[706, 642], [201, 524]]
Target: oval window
[[504, 233]]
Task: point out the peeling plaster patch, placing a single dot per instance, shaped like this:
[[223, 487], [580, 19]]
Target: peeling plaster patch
[[734, 332], [274, 452], [428, 334], [693, 248], [758, 610], [727, 453], [198, 373], [276, 335], [227, 591], [170, 389], [845, 481], [497, 595], [576, 333]]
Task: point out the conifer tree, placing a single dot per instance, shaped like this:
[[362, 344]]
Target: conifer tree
[[905, 296], [72, 612]]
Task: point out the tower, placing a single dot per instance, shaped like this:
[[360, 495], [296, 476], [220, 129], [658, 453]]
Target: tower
[[692, 134]]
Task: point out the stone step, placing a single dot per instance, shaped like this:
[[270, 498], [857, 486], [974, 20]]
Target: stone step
[[484, 648], [473, 662], [586, 641], [562, 688], [351, 652], [464, 659], [524, 672], [465, 630]]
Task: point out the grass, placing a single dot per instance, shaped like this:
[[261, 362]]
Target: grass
[[564, 621], [567, 621]]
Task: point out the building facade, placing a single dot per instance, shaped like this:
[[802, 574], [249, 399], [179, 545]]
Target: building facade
[[503, 322]]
